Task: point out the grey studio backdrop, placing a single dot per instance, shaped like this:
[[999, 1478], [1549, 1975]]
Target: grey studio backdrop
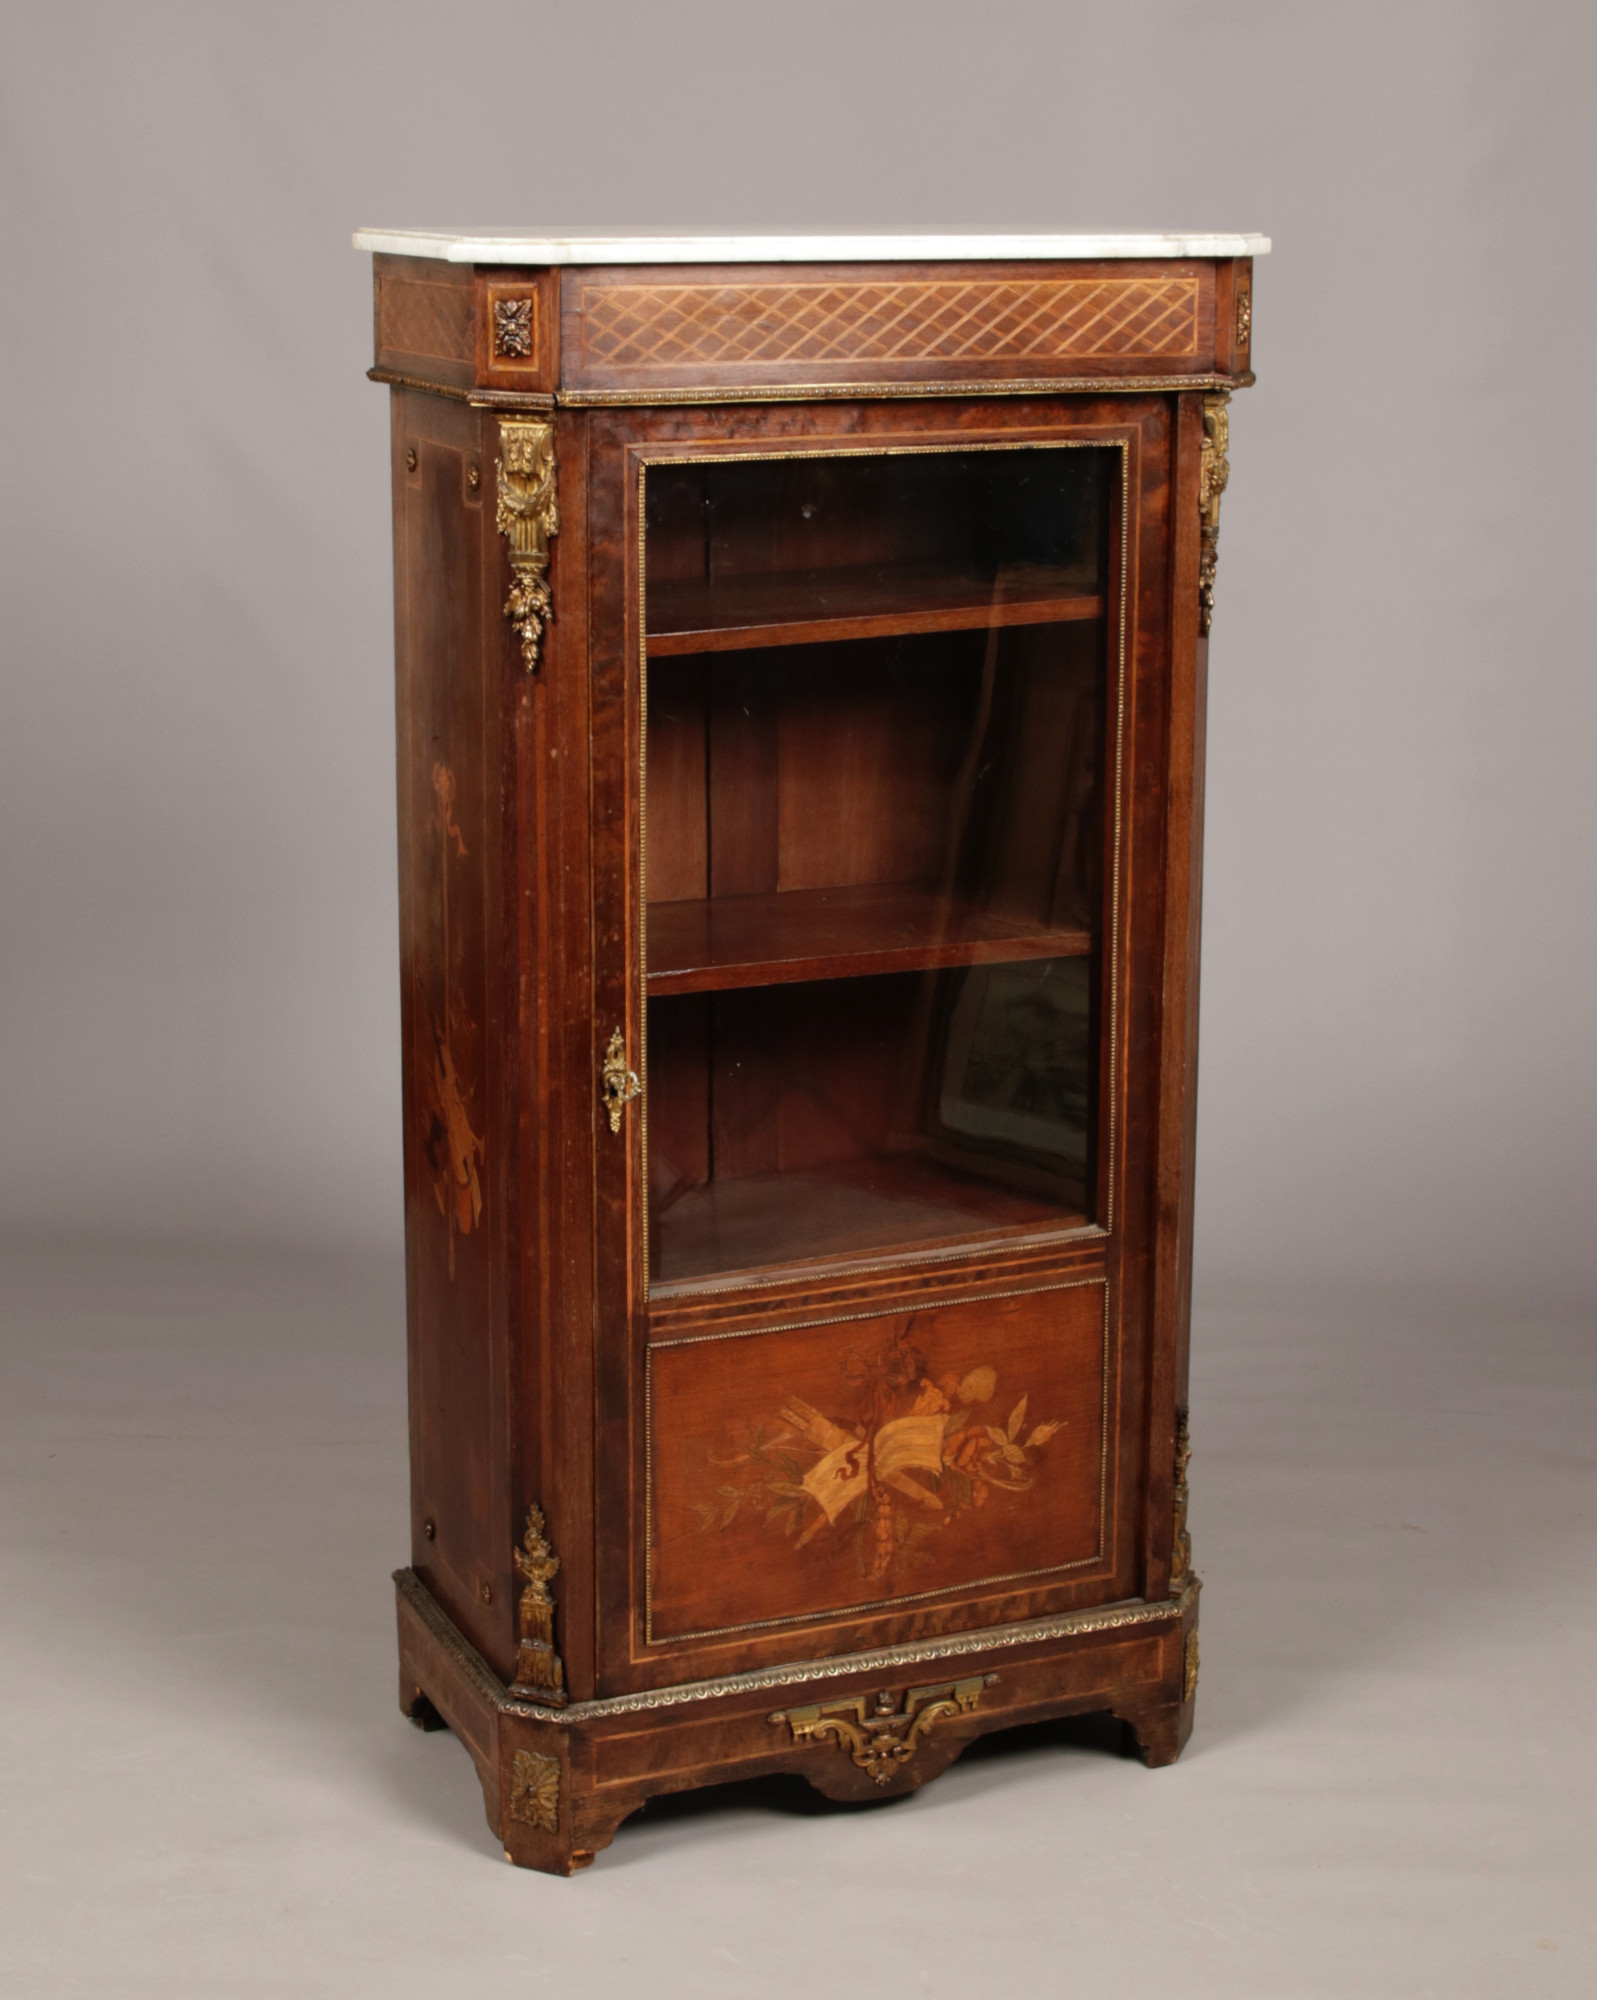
[[198, 1001], [201, 1430]]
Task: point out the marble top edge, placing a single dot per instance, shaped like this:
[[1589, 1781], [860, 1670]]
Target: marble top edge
[[467, 248]]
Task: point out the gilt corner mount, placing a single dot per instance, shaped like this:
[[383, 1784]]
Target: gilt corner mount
[[1214, 471], [539, 1673], [528, 514]]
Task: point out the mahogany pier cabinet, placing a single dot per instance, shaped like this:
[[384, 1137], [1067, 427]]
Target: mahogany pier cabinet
[[800, 651]]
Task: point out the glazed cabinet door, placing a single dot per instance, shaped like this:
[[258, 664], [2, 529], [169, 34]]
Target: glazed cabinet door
[[873, 1339]]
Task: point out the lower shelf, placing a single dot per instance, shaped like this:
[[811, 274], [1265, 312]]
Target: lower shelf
[[879, 1206]]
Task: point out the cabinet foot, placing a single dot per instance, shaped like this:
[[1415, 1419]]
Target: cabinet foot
[[1160, 1734], [416, 1708]]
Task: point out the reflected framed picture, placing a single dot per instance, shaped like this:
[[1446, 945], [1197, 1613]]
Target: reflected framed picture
[[1014, 1082]]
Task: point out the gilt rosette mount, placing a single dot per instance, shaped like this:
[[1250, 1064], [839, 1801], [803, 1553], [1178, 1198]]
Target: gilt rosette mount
[[528, 515], [882, 1738], [535, 1790]]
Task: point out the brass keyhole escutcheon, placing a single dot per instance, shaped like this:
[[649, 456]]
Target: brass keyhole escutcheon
[[618, 1084]]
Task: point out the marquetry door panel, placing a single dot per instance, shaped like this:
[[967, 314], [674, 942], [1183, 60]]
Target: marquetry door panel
[[805, 1473]]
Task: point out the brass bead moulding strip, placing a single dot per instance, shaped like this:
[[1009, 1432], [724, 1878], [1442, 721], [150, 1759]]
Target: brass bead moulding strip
[[479, 399], [808, 392], [1128, 1612], [864, 392]]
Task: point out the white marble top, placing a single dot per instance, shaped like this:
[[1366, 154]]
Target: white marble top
[[464, 248]]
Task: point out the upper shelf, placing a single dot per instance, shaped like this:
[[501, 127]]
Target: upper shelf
[[803, 934], [467, 247], [800, 607]]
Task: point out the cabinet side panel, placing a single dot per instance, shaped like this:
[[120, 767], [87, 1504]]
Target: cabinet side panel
[[423, 319], [457, 1086]]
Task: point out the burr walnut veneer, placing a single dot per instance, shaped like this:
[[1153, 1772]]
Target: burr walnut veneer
[[801, 655]]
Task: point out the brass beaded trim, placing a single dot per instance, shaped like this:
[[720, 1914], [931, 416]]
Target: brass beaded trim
[[833, 392], [985, 1639], [808, 392]]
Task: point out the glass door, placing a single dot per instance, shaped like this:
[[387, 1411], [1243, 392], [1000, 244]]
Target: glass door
[[877, 764]]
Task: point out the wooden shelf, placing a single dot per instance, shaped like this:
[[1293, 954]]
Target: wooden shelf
[[715, 944], [802, 607], [896, 1202]]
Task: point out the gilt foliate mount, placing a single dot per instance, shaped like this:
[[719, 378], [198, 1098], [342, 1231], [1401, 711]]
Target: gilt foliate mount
[[882, 1737], [1214, 471], [528, 515], [539, 1673]]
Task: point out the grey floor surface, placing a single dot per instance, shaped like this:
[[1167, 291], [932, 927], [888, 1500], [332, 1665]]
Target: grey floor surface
[[206, 1787]]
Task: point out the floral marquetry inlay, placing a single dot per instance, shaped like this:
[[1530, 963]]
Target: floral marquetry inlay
[[859, 1463], [894, 1461], [453, 1149]]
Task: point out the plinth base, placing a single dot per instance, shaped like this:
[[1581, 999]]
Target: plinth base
[[557, 1782]]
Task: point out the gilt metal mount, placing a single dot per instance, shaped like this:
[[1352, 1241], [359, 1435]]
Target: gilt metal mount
[[1214, 469], [882, 1740], [535, 1791], [1181, 1546], [539, 1674], [527, 516], [512, 329], [618, 1085]]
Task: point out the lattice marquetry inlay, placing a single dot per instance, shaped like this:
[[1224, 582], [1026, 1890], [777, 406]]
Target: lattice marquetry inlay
[[417, 318], [1018, 320]]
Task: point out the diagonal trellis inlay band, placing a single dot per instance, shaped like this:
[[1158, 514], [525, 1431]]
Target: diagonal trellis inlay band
[[417, 318], [1020, 320]]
